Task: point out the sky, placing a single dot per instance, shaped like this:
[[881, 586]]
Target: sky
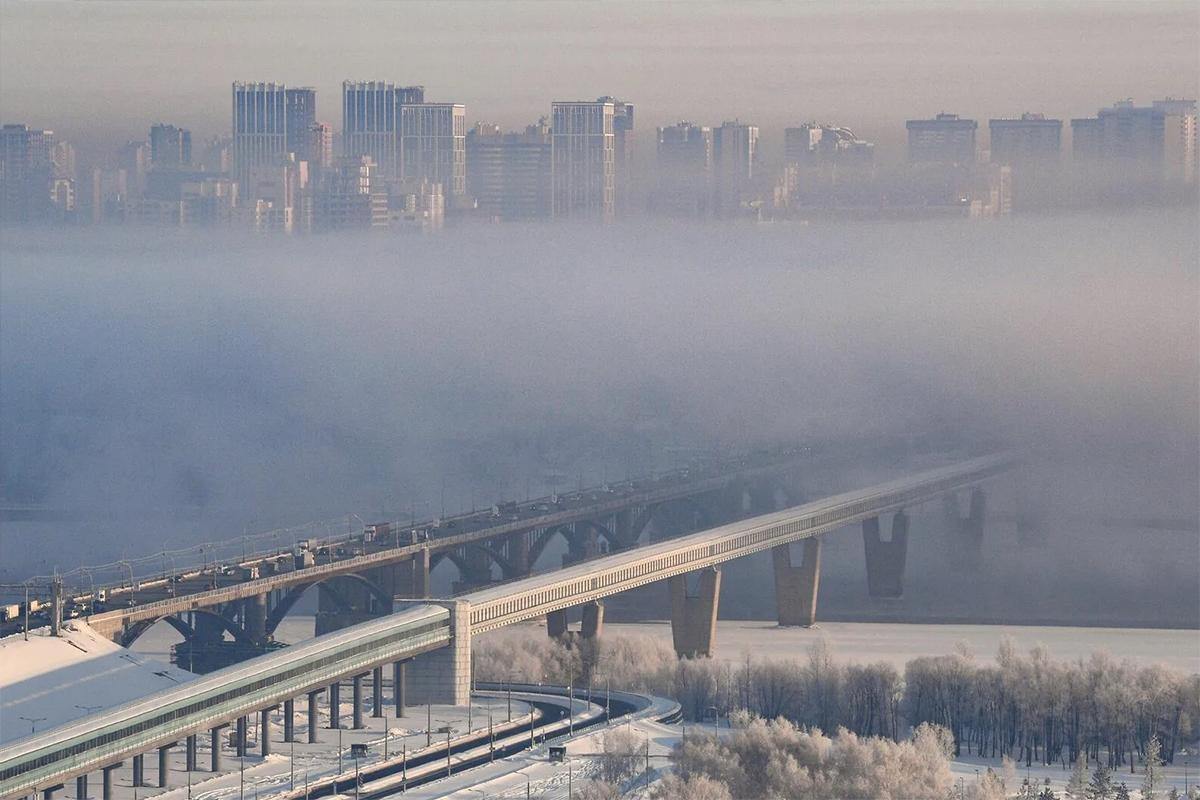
[[106, 71]]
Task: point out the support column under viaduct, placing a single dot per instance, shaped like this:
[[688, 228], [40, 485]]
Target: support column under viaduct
[[443, 676], [694, 617], [885, 559], [796, 585]]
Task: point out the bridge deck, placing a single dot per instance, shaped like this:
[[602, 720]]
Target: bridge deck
[[533, 597]]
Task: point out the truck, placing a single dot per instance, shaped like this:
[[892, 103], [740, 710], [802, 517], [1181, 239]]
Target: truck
[[506, 508]]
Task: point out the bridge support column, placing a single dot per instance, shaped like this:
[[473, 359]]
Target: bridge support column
[[622, 527], [107, 780], [796, 586], [312, 716], [190, 745], [517, 551], [885, 560], [254, 615], [48, 792], [139, 770], [214, 737], [593, 620], [335, 705], [240, 737], [289, 720], [694, 618], [264, 732], [966, 532], [556, 624], [416, 583], [377, 692], [398, 679], [356, 693], [81, 787], [163, 767], [444, 676]]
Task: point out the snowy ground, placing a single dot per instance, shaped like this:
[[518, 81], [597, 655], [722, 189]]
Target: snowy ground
[[46, 681], [898, 643]]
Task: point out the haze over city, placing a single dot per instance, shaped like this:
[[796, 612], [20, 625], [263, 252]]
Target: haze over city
[[396, 397]]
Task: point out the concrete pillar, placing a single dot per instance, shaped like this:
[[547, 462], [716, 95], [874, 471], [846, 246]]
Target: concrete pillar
[[593, 620], [556, 624], [48, 792], [885, 560], [264, 732], [107, 785], [518, 553], [796, 586], [418, 582], [335, 705], [215, 741], [694, 618], [312, 716], [164, 768], [356, 714], [622, 528], [81, 787], [377, 692], [289, 720], [398, 679], [255, 617], [240, 737], [139, 770], [190, 745], [444, 676]]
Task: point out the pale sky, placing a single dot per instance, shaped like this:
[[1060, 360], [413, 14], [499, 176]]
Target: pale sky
[[101, 73]]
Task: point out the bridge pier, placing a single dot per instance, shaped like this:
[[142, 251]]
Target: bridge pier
[[254, 617], [312, 716], [81, 787], [796, 586], [107, 780], [593, 620], [443, 676], [190, 747], [289, 720], [694, 618], [885, 559], [264, 732], [335, 705], [48, 792], [240, 737], [214, 738], [163, 766], [399, 670], [377, 692], [556, 624], [356, 692], [139, 770]]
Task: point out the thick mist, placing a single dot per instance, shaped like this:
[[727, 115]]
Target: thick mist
[[164, 388]]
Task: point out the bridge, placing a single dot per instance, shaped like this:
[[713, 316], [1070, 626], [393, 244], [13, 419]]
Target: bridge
[[358, 576], [428, 644]]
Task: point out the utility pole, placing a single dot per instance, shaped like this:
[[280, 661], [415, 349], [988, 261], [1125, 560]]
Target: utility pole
[[429, 725]]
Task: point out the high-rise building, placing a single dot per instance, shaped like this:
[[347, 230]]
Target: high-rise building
[[812, 144], [134, 158], [433, 146], [508, 174], [27, 169], [735, 155], [352, 194], [371, 121], [623, 172], [170, 147], [685, 170], [1031, 140], [1156, 142], [320, 147], [269, 121], [945, 139], [583, 156]]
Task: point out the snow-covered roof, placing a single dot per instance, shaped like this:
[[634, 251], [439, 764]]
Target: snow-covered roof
[[47, 680]]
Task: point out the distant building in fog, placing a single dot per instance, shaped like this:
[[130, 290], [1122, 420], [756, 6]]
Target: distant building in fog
[[36, 174], [270, 121], [508, 174], [735, 157], [945, 139], [353, 194], [371, 121], [1157, 142], [1029, 140], [170, 147], [685, 170], [812, 144], [583, 159]]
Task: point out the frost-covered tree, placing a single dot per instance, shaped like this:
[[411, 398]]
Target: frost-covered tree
[[1121, 793], [1153, 769], [1100, 787], [1077, 786]]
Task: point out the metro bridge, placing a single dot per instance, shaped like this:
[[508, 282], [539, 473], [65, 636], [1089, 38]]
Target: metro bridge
[[428, 644]]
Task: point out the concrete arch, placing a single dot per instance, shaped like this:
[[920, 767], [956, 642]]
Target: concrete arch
[[538, 541], [507, 569], [134, 632], [289, 600]]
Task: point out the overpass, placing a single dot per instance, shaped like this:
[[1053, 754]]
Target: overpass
[[429, 646]]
